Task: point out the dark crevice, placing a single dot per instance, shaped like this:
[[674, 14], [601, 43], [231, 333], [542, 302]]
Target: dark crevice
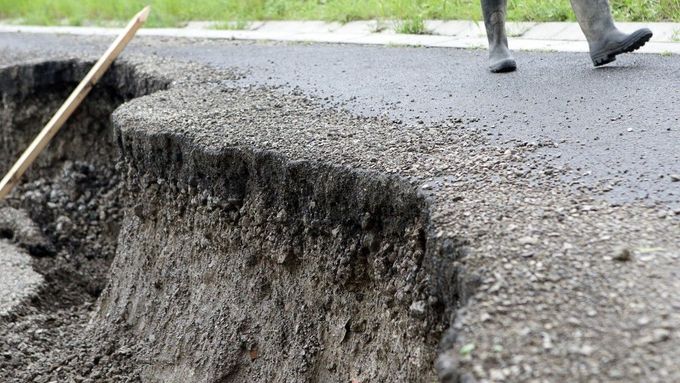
[[71, 192]]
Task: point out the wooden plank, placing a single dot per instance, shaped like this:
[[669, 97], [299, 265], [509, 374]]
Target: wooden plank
[[75, 99]]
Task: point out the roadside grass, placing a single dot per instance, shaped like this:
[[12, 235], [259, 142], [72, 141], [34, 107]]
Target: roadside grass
[[171, 13], [231, 25], [414, 26], [676, 35]]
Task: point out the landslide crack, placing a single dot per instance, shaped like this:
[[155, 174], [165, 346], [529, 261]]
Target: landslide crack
[[226, 263]]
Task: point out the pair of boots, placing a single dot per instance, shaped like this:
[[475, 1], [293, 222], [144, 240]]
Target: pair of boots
[[596, 22]]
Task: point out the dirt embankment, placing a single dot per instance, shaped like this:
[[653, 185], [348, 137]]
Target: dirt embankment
[[230, 265]]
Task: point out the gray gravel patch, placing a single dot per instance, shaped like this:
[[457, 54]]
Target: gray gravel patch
[[17, 226], [18, 280]]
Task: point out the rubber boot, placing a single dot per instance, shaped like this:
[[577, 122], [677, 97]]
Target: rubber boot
[[604, 39], [500, 58]]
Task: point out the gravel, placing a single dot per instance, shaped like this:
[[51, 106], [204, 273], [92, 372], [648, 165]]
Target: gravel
[[19, 281], [44, 328]]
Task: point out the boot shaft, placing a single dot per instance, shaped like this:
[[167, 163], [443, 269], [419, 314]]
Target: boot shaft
[[595, 18], [494, 12]]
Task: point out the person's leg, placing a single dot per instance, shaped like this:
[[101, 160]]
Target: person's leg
[[500, 58], [604, 39]]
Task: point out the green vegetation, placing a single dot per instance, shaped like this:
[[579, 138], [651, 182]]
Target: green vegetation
[[414, 26], [412, 12], [467, 349], [676, 35], [231, 25]]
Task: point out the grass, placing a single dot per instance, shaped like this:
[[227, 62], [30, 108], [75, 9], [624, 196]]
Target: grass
[[414, 26], [676, 35], [411, 12], [232, 25]]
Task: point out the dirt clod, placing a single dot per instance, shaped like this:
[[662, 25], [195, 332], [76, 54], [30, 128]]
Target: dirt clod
[[623, 254], [17, 226]]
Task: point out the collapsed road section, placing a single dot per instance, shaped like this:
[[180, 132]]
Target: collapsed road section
[[204, 232], [231, 263]]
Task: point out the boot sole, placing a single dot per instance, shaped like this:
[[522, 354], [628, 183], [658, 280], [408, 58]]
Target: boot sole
[[634, 42], [504, 66]]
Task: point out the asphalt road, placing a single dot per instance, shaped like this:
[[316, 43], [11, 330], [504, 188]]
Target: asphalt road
[[617, 128]]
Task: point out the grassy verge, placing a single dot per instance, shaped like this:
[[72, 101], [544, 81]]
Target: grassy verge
[[177, 12]]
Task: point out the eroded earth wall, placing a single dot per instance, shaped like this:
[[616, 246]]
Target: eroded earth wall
[[231, 265], [243, 266]]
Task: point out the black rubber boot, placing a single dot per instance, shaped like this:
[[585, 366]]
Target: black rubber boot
[[604, 39], [500, 58]]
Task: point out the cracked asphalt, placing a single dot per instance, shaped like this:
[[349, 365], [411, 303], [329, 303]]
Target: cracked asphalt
[[560, 179], [616, 128]]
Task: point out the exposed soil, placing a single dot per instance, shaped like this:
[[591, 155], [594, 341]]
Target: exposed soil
[[331, 258]]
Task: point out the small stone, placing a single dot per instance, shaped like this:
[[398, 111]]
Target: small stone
[[497, 375], [285, 255], [623, 254], [586, 350], [417, 309], [467, 349], [643, 321], [528, 240], [64, 225], [661, 335], [547, 342], [675, 177], [616, 374], [657, 336]]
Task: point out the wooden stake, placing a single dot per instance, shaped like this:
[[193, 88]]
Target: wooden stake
[[75, 99]]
